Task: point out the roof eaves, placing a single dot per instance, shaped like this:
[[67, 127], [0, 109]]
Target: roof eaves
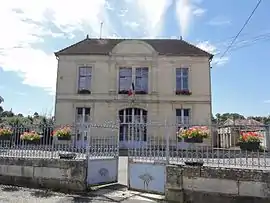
[[60, 52], [205, 52]]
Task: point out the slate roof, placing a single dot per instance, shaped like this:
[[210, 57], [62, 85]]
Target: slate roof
[[169, 47]]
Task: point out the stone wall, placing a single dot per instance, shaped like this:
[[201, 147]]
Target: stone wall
[[55, 174], [224, 185]]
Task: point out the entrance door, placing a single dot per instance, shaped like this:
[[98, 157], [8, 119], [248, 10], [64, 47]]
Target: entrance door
[[133, 129]]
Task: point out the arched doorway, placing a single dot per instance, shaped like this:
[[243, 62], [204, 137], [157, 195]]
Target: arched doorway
[[133, 129]]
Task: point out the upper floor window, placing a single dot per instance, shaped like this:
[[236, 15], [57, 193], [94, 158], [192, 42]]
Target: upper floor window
[[85, 77], [182, 81], [134, 79]]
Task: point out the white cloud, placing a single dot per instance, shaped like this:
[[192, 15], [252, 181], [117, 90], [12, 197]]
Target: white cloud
[[218, 21], [207, 46], [148, 14], [186, 10], [198, 11], [26, 22]]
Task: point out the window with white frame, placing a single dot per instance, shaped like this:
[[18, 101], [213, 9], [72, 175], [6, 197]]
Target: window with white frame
[[138, 76], [82, 115], [133, 124], [182, 81], [182, 117], [85, 78], [125, 79], [182, 120]]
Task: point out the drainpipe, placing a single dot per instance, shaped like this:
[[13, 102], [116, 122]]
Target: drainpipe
[[56, 84], [210, 91]]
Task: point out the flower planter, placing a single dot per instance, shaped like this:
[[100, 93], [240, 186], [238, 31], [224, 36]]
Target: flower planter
[[194, 140], [84, 91], [67, 155], [140, 92], [5, 137], [31, 142], [249, 146], [64, 138], [123, 92]]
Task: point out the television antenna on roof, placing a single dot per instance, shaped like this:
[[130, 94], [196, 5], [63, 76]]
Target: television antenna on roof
[[101, 26]]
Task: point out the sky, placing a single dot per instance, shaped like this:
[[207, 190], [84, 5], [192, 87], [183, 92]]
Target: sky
[[33, 30]]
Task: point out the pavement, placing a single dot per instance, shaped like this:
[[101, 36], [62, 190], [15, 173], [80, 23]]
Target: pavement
[[109, 193]]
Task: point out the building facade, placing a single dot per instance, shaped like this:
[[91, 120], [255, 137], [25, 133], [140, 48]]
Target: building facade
[[169, 80]]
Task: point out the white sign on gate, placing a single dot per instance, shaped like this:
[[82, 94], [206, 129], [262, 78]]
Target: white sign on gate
[[148, 177], [102, 171]]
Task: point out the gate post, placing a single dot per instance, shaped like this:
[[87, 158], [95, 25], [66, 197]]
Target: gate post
[[88, 133]]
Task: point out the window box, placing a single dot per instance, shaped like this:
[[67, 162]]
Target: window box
[[123, 92], [140, 92], [84, 91], [182, 92]]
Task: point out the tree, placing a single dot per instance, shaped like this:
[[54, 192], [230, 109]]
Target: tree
[[36, 115]]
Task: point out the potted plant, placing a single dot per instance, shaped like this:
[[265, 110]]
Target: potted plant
[[250, 141], [123, 92], [30, 137], [194, 134], [63, 133], [84, 91], [182, 92], [5, 133]]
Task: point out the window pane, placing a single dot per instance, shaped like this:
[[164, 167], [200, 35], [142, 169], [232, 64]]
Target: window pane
[[79, 111], [178, 72], [178, 112], [178, 84], [125, 78], [178, 79], [186, 112], [125, 72], [185, 71], [185, 83], [85, 71], [87, 111], [85, 82], [141, 81]]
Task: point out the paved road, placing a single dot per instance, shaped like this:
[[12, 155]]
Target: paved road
[[24, 195], [113, 193]]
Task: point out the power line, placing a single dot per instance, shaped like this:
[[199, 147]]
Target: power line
[[246, 22]]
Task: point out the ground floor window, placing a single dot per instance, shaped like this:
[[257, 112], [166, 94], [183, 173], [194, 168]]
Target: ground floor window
[[82, 117], [133, 124], [182, 119]]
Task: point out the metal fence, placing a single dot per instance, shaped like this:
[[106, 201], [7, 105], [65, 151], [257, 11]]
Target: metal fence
[[150, 141], [220, 149], [91, 140]]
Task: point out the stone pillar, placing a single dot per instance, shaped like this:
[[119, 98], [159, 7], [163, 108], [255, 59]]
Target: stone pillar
[[174, 184]]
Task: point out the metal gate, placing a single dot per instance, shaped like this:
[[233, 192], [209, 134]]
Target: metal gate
[[147, 163], [102, 153]]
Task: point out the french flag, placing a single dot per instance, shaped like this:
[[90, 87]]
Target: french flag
[[131, 90]]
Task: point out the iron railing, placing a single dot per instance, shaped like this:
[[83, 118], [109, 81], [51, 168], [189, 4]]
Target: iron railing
[[152, 141]]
